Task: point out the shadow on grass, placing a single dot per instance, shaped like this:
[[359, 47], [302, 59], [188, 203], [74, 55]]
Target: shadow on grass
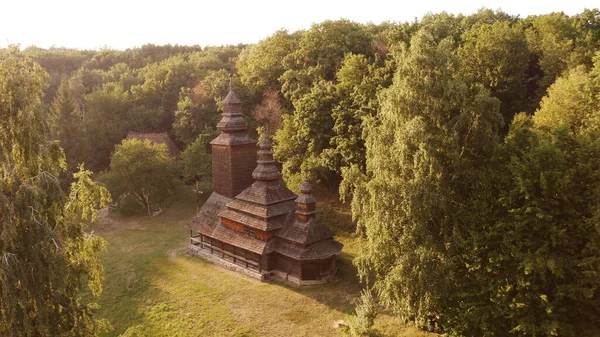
[[153, 284]]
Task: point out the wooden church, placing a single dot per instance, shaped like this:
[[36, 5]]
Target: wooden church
[[252, 223]]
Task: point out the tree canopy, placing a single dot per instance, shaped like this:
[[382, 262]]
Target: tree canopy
[[423, 154], [466, 145], [143, 171], [47, 258]]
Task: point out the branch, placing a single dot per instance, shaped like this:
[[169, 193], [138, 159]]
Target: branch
[[6, 256]]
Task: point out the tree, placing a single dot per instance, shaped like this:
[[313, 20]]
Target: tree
[[144, 171], [331, 79], [443, 25], [305, 134], [486, 16], [572, 100], [551, 39], [319, 54], [155, 99], [66, 125], [261, 65], [359, 82], [107, 122], [587, 42], [269, 113], [361, 323], [196, 113], [424, 152], [77, 92], [496, 55], [536, 262], [197, 162], [47, 259]]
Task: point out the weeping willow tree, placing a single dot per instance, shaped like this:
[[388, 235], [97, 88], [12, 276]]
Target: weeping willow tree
[[47, 260], [423, 155]]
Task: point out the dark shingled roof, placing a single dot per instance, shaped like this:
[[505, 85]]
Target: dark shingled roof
[[157, 138], [305, 232], [208, 218], [243, 240], [267, 200], [262, 211], [231, 98], [318, 250], [267, 169], [266, 193], [208, 222], [232, 122], [251, 221], [232, 125]]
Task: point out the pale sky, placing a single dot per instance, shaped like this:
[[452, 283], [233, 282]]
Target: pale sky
[[125, 24]]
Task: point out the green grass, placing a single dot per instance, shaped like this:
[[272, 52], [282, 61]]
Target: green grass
[[153, 287]]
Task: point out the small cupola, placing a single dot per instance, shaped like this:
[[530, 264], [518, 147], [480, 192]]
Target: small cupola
[[306, 203], [266, 168], [232, 120]]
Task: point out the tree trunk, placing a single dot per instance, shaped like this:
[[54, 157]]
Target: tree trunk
[[148, 204], [197, 195]]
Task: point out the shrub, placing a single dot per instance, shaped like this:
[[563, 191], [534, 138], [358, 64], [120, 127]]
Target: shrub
[[361, 322]]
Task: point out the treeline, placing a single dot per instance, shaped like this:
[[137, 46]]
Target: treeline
[[469, 146], [94, 98], [317, 86]]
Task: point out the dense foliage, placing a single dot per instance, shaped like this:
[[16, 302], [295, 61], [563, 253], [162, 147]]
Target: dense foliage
[[470, 235], [424, 154], [47, 260], [468, 146], [143, 171]]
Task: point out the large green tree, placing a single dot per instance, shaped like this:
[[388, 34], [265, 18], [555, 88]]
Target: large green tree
[[496, 55], [549, 252], [47, 259], [319, 54], [551, 40], [423, 155], [155, 99], [144, 171], [573, 100], [359, 81], [260, 66], [309, 82]]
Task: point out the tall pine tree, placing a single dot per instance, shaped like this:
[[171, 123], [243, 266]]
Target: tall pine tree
[[66, 126]]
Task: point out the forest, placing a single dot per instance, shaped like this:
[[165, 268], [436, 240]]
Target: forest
[[466, 147]]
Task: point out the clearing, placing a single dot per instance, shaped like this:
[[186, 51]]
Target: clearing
[[155, 288]]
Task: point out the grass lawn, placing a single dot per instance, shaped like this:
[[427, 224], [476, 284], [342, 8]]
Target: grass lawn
[[154, 288]]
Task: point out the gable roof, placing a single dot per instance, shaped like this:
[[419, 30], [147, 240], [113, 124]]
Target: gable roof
[[157, 138]]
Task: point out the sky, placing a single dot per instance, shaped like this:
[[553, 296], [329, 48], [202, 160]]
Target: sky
[[122, 24]]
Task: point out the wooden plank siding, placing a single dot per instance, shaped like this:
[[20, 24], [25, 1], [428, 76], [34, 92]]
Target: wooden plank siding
[[232, 253], [303, 270]]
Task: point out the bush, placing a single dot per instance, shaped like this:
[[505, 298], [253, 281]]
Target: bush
[[361, 322]]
